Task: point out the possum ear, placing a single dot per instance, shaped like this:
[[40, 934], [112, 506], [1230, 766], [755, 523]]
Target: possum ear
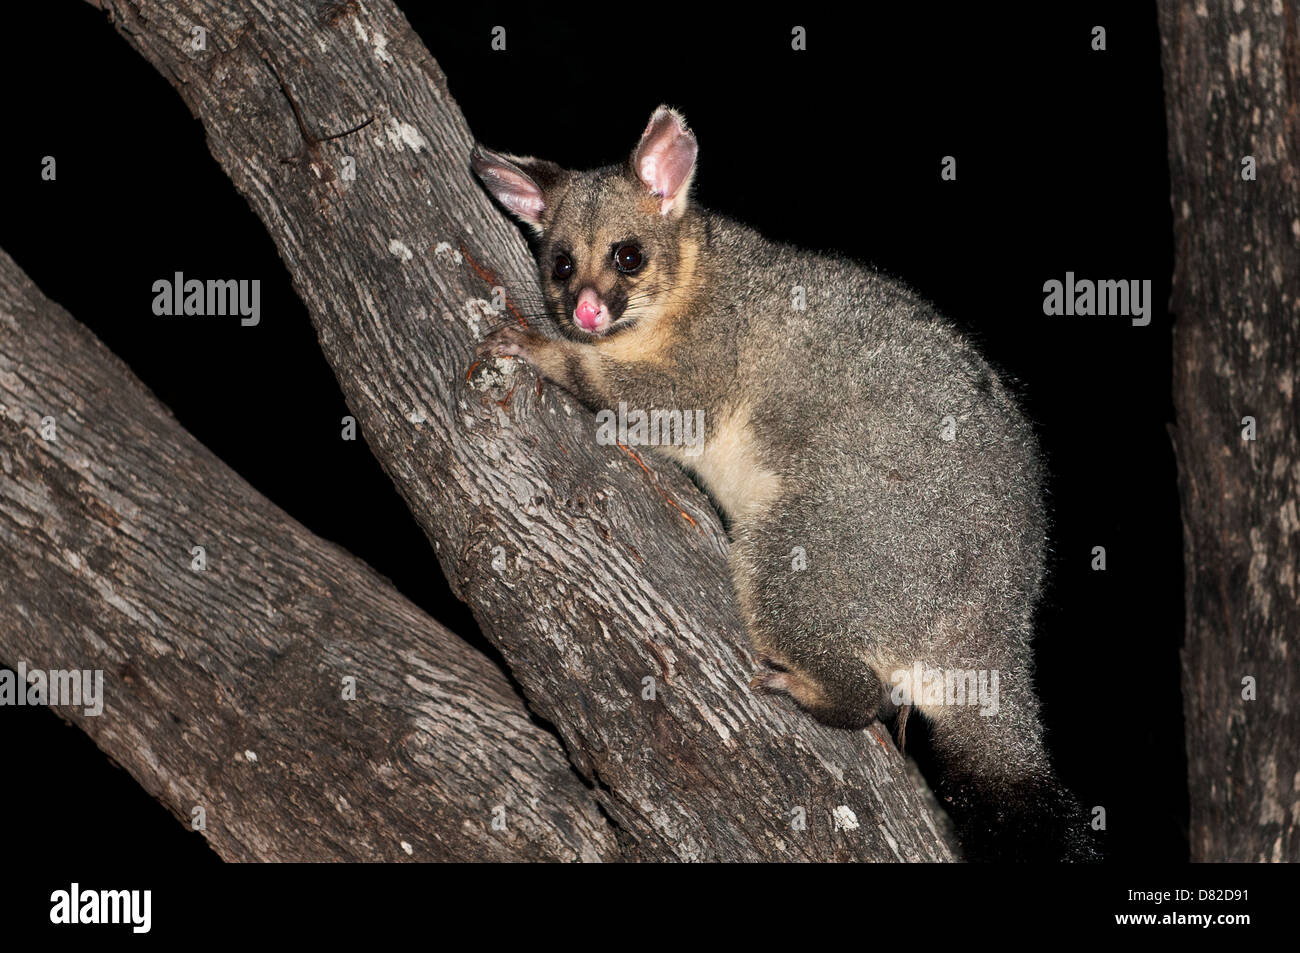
[[519, 183], [664, 160]]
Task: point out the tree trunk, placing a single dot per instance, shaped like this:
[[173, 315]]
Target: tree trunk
[[1232, 77], [223, 687], [601, 580]]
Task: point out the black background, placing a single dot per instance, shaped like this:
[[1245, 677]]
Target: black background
[[1061, 166]]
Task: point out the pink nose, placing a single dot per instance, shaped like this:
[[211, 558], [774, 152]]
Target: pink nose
[[590, 312]]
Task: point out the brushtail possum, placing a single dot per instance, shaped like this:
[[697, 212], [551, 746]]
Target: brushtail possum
[[882, 487]]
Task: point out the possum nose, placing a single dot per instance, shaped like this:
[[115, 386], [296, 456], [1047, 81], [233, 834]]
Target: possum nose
[[591, 312]]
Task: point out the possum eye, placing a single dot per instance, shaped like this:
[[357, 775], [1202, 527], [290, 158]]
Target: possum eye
[[563, 267], [628, 258]]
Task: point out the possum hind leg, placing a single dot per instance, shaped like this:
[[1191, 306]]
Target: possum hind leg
[[842, 693], [794, 631]]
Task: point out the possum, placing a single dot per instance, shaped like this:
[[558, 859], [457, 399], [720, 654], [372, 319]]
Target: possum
[[882, 488]]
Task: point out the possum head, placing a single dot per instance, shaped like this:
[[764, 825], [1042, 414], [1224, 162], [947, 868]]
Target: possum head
[[611, 242]]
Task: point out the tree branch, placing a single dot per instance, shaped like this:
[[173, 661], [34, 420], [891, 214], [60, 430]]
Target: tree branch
[[1232, 78], [224, 687]]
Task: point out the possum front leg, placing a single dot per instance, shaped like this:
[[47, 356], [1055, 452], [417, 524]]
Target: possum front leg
[[597, 379], [578, 368]]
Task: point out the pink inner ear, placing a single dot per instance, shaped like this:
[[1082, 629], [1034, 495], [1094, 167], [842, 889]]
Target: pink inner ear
[[511, 185], [665, 157]]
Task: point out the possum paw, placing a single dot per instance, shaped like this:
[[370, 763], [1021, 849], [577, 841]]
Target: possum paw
[[770, 683], [509, 342], [848, 699]]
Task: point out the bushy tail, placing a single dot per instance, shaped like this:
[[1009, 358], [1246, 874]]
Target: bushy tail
[[1027, 819], [993, 776]]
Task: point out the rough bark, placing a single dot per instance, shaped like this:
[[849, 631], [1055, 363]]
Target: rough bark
[[591, 572], [1232, 82], [224, 687]]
